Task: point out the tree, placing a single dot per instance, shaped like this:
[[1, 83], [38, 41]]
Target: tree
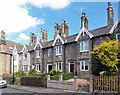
[[108, 54]]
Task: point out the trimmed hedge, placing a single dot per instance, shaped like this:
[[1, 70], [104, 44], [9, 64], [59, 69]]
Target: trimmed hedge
[[36, 75], [65, 76]]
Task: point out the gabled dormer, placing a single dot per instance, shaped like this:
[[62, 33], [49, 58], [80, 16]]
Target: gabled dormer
[[58, 42], [84, 28], [84, 35], [38, 47]]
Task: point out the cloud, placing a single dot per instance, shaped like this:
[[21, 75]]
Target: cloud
[[14, 16], [23, 37], [53, 4]]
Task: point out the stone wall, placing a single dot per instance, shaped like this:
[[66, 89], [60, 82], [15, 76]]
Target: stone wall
[[62, 84], [5, 62]]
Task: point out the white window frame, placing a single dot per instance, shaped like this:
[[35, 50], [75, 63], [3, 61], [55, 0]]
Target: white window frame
[[83, 46], [84, 65], [38, 67], [47, 67], [117, 36], [72, 62], [57, 65], [24, 56], [58, 53], [49, 52], [38, 56]]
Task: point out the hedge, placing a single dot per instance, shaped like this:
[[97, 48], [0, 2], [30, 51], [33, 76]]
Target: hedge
[[65, 76]]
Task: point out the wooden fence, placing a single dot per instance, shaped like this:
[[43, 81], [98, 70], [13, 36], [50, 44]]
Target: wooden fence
[[106, 83]]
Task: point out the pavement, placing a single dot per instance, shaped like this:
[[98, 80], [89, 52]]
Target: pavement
[[10, 91], [33, 89]]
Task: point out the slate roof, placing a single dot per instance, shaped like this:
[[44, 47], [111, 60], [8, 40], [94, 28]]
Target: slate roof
[[96, 32], [100, 31], [30, 48], [47, 44], [10, 46]]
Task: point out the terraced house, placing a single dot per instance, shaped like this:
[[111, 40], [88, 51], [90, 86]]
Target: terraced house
[[65, 53], [73, 53]]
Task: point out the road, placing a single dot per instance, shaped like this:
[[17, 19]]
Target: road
[[9, 90]]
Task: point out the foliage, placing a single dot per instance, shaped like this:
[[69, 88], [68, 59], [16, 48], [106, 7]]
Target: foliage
[[18, 82], [36, 75], [107, 53], [32, 71], [20, 73], [97, 67], [11, 81], [66, 76], [53, 72], [79, 85]]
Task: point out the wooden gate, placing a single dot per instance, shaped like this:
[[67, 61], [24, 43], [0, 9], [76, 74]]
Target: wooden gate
[[106, 83]]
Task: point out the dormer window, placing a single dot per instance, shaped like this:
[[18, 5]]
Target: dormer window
[[118, 36], [84, 46], [58, 50], [38, 53]]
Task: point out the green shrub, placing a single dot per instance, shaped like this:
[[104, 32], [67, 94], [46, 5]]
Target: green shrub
[[53, 72], [11, 81], [32, 71], [35, 75], [18, 82], [55, 77], [67, 76], [79, 85], [20, 73]]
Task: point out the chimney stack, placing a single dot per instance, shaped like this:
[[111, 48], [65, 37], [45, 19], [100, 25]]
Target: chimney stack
[[43, 36], [110, 14], [33, 39], [3, 42], [56, 30], [2, 35], [84, 21]]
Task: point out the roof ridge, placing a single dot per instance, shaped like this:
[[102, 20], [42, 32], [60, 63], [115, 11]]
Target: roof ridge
[[98, 28], [15, 42]]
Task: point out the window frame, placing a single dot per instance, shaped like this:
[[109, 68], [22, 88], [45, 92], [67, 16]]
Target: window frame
[[58, 50], [117, 36], [25, 57], [38, 67], [84, 64], [38, 55], [49, 52], [57, 66], [84, 46]]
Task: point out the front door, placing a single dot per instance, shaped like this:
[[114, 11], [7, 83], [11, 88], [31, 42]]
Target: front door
[[72, 67], [49, 67]]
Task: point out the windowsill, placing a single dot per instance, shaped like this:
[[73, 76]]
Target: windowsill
[[37, 57], [84, 51], [37, 71], [58, 54], [84, 70]]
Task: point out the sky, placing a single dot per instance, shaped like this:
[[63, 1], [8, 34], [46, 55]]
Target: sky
[[19, 18]]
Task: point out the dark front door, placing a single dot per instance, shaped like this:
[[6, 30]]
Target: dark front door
[[72, 68], [50, 68]]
